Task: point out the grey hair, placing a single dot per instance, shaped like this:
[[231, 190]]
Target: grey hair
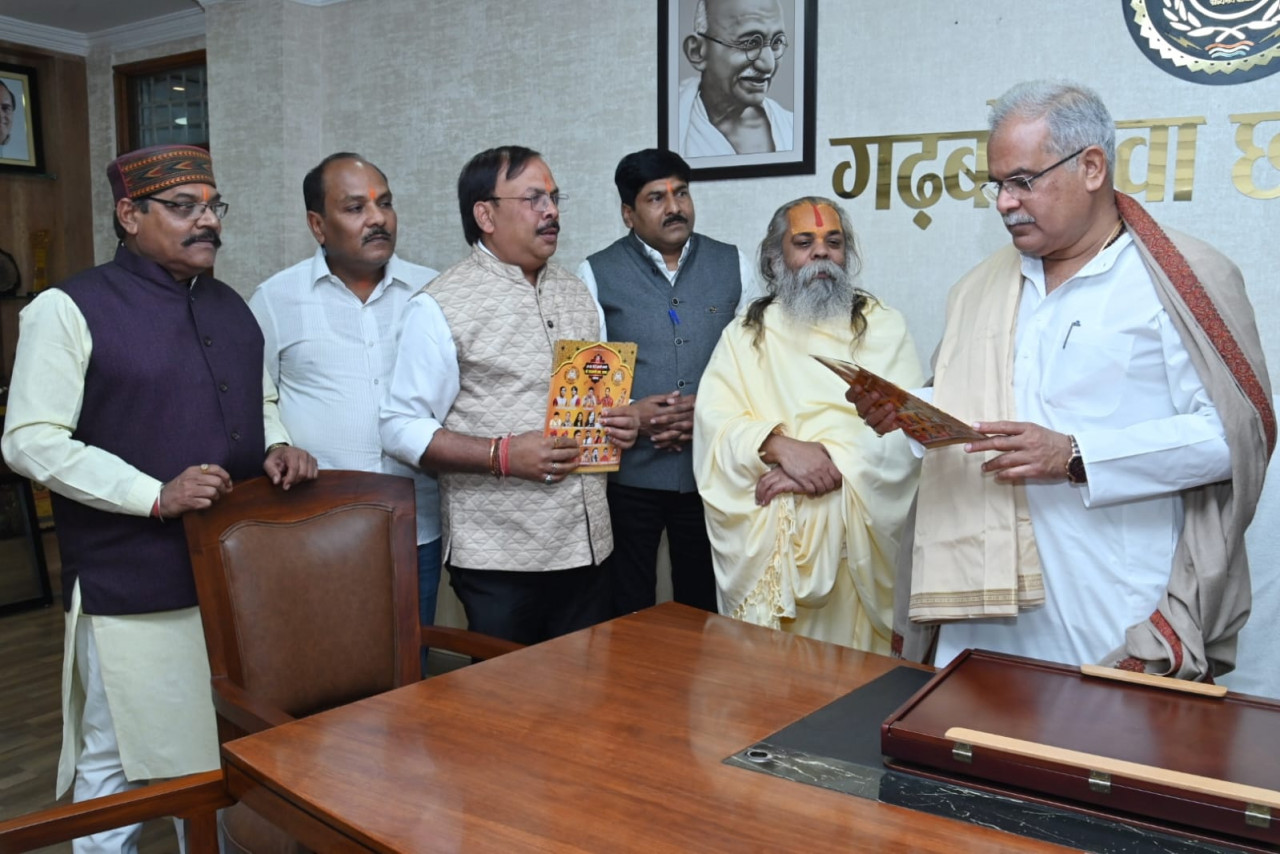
[[772, 264], [700, 17], [1075, 114]]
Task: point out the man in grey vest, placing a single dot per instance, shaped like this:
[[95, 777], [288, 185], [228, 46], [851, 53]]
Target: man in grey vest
[[672, 292]]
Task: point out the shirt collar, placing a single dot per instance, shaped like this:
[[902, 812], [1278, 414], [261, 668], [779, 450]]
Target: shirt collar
[[512, 270], [392, 275], [1100, 264], [656, 257], [148, 269]]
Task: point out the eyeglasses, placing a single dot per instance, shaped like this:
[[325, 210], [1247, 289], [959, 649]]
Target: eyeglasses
[[540, 202], [1020, 186], [754, 45], [191, 210]]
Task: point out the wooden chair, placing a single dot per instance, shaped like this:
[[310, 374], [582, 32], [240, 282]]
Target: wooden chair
[[194, 798], [309, 600]]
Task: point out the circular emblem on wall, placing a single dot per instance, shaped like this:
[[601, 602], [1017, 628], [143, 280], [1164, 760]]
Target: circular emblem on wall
[[1218, 42]]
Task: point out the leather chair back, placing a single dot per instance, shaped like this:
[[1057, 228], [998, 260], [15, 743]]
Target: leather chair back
[[309, 597]]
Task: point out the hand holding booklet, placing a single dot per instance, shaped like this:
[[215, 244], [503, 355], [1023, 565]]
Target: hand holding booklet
[[922, 421]]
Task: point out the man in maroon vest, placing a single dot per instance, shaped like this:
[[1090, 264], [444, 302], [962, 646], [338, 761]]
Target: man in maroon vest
[[138, 395]]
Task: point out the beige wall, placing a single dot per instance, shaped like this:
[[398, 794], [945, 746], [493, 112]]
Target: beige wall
[[420, 87]]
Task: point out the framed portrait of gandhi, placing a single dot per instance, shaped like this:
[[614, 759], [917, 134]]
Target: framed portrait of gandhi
[[20, 143], [737, 85]]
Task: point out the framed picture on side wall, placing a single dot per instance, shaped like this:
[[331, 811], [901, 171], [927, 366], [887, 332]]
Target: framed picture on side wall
[[21, 147], [737, 85]]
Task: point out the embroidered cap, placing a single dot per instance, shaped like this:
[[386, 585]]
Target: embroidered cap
[[149, 170]]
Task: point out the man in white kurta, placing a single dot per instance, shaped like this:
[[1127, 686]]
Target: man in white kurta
[[1117, 368], [127, 444], [805, 504]]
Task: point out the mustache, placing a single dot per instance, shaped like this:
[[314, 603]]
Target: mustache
[[811, 271], [206, 236], [1018, 219], [554, 225], [674, 218], [375, 233]]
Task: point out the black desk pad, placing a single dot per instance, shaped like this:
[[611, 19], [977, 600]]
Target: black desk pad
[[838, 747]]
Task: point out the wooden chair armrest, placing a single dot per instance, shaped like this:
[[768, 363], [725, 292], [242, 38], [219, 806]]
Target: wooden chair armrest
[[467, 642], [243, 709], [194, 795]]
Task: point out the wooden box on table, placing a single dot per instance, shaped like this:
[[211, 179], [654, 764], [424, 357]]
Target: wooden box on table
[[1200, 761]]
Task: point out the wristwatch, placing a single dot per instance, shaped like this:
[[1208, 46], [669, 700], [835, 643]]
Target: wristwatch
[[1075, 464]]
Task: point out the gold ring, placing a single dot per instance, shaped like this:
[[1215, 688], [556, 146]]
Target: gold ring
[[204, 467]]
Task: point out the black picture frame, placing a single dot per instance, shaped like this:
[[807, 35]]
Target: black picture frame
[[792, 91], [23, 150]]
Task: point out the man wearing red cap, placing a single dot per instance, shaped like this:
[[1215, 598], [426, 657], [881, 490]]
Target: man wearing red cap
[[138, 394]]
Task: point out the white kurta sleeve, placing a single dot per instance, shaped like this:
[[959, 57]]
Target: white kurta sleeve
[[424, 383], [45, 397], [1162, 455]]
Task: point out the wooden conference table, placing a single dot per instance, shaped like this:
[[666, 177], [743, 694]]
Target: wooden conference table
[[607, 740]]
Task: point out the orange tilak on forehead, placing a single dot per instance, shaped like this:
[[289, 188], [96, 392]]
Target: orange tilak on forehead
[[373, 194], [546, 182], [670, 189], [813, 219], [205, 193]]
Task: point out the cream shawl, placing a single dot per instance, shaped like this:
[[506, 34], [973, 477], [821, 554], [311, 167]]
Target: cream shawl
[[820, 566]]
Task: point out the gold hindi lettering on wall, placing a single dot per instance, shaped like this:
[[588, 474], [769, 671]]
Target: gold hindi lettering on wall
[[965, 166], [1242, 171], [917, 191], [1155, 139]]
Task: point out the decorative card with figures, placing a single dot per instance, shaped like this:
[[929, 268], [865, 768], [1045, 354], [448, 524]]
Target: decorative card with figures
[[920, 420], [586, 378]]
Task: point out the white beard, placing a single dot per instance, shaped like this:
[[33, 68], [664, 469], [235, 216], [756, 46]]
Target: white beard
[[810, 299]]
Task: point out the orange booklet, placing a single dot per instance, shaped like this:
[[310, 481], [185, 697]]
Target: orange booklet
[[589, 376], [922, 421]]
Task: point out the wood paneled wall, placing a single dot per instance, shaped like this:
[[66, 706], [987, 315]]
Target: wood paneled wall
[[60, 201]]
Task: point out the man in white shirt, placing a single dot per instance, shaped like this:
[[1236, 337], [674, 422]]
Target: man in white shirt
[[672, 292], [1117, 369], [524, 534], [331, 324], [736, 45]]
